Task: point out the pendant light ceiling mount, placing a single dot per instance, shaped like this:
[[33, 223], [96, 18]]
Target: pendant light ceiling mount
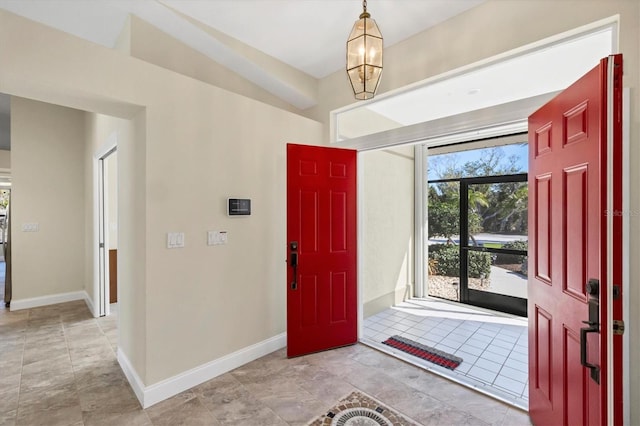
[[364, 56]]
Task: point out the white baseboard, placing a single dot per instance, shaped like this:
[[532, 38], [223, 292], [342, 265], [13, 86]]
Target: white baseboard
[[167, 388], [130, 373], [90, 305], [34, 302]]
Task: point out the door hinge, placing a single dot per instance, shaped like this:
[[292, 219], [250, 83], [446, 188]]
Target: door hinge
[[616, 292], [101, 245], [618, 327]]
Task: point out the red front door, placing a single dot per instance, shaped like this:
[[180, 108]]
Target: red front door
[[575, 252], [322, 292]]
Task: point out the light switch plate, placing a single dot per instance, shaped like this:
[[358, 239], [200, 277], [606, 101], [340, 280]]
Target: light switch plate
[[30, 227], [175, 239]]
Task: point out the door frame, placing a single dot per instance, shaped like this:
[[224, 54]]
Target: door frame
[[468, 135], [626, 246], [323, 172], [490, 122], [420, 171], [500, 302], [100, 301], [360, 241]]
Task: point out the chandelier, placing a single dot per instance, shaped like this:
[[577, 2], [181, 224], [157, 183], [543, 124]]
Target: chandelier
[[364, 56]]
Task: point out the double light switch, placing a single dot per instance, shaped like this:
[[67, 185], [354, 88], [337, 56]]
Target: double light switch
[[175, 239], [214, 238]]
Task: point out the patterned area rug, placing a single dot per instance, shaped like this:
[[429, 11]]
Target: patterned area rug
[[358, 409], [425, 352]]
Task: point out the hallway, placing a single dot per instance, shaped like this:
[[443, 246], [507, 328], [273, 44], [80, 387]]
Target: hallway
[[59, 368]]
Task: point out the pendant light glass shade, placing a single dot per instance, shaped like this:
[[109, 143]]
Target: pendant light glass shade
[[364, 56]]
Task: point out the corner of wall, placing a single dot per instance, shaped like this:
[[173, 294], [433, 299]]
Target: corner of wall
[[123, 42], [150, 44], [131, 146]]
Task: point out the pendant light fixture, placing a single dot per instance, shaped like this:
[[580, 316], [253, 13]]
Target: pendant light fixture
[[364, 56]]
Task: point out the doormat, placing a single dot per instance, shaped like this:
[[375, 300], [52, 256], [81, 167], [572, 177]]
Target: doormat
[[360, 409], [425, 352]]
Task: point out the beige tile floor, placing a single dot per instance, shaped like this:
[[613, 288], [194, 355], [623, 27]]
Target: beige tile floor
[[58, 367]]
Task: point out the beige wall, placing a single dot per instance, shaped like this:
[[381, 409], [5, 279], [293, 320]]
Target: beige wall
[[111, 164], [205, 154], [190, 150], [98, 129], [387, 227], [148, 43], [192, 136], [123, 42], [48, 189], [132, 243], [5, 159], [362, 121]]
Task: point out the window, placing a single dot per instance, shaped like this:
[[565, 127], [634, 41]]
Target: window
[[477, 225]]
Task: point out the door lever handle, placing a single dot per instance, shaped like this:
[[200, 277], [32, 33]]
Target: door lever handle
[[294, 264], [595, 370]]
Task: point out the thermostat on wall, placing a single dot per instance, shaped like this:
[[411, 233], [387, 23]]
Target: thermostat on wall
[[238, 207]]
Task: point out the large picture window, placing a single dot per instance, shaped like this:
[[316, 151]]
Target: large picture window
[[477, 226]]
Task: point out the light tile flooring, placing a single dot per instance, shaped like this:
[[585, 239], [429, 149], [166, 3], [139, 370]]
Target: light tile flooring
[[58, 367], [493, 347]]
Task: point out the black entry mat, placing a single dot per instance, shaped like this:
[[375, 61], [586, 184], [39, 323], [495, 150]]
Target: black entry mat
[[425, 352]]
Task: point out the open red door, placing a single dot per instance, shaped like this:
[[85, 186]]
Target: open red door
[[322, 296], [575, 252]]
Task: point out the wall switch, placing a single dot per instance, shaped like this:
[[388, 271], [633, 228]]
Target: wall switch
[[175, 239], [30, 227], [216, 238]]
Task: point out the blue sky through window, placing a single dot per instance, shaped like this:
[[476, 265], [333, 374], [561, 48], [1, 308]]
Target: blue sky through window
[[520, 152]]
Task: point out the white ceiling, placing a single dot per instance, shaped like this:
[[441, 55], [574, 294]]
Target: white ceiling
[[309, 35]]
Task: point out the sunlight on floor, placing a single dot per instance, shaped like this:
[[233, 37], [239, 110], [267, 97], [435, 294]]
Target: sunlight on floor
[[493, 346]]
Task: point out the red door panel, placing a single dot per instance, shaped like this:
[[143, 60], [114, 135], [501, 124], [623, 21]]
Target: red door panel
[[569, 170], [321, 219]]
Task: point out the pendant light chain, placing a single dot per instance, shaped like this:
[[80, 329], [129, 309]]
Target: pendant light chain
[[364, 5]]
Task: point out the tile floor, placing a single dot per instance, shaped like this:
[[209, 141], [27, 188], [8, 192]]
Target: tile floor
[[58, 367], [493, 347]]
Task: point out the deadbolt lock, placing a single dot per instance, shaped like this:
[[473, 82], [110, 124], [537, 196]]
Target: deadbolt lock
[[593, 287]]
